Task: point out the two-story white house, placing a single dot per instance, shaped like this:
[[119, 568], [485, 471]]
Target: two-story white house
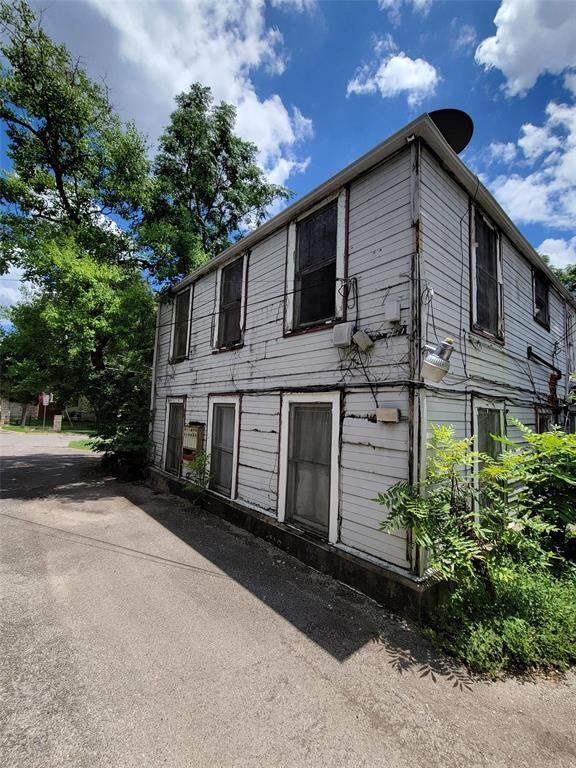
[[303, 426]]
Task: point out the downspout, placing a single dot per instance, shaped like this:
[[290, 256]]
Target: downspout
[[151, 449], [414, 554]]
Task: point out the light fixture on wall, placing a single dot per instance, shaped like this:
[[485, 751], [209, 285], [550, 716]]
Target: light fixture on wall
[[437, 361]]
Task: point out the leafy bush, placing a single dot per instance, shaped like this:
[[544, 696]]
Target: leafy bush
[[500, 534], [530, 622], [544, 470], [198, 475], [466, 519]]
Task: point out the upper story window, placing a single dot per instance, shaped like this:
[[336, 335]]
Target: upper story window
[[232, 289], [316, 266], [315, 269], [181, 331], [541, 291], [487, 305]]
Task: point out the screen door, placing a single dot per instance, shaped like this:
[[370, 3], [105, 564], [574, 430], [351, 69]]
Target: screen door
[[309, 449], [173, 462], [222, 449]]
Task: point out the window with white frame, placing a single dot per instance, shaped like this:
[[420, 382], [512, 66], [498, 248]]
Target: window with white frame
[[181, 324], [489, 422], [315, 274], [231, 292], [310, 431], [222, 447], [487, 301]]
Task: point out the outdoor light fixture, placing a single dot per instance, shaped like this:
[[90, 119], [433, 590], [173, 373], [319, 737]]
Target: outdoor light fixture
[[437, 362]]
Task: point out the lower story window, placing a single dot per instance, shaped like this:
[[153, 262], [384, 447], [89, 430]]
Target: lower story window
[[546, 419], [223, 445], [174, 434], [489, 423], [309, 463]]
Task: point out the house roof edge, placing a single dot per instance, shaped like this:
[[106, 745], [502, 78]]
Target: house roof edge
[[422, 127]]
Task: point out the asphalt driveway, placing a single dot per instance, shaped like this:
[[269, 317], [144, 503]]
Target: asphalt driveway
[[139, 631]]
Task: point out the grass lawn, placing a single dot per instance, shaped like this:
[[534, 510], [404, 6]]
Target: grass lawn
[[83, 445], [81, 428]]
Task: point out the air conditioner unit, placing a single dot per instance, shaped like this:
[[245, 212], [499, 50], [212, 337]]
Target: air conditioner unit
[[342, 334]]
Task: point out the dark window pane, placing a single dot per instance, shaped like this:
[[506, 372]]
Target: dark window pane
[[222, 450], [487, 245], [487, 287], [309, 466], [232, 282], [181, 316], [541, 302], [489, 423], [487, 302], [173, 461], [544, 421], [315, 269], [316, 294], [317, 238], [229, 326]]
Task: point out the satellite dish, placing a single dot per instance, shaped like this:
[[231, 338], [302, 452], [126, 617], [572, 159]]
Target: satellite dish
[[455, 125]]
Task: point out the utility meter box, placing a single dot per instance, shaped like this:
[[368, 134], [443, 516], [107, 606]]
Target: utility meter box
[[342, 334], [388, 415], [193, 440], [391, 311]]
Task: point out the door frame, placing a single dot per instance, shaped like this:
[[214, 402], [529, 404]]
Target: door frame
[[311, 397], [225, 400], [181, 399]]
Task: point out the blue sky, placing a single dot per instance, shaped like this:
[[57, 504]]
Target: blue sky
[[316, 84]]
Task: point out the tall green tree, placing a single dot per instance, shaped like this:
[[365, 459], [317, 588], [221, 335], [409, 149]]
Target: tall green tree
[[75, 166], [89, 332], [207, 187], [566, 275]]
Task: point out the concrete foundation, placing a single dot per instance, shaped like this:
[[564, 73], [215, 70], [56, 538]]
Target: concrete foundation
[[402, 592]]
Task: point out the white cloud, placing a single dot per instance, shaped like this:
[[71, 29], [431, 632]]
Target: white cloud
[[11, 285], [546, 193], [501, 152], [395, 74], [220, 45], [562, 252], [466, 38], [297, 5], [394, 8], [537, 140], [570, 83], [532, 37]]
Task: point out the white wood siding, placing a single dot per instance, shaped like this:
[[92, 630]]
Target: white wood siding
[[477, 363], [373, 456], [479, 367]]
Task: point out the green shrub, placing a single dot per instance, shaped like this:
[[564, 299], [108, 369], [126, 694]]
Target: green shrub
[[501, 536], [198, 475], [544, 471], [531, 622]]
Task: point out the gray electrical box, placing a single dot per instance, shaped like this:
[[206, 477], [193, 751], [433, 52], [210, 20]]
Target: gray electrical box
[[392, 311], [388, 415], [342, 334]]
